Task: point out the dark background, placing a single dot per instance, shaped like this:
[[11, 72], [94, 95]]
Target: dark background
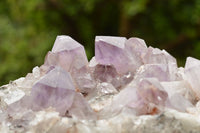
[[28, 28]]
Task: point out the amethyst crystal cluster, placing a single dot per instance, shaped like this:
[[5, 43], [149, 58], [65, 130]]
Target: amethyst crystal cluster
[[124, 76]]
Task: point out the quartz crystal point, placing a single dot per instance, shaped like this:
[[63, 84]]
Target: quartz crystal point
[[146, 96], [119, 102], [66, 53], [159, 71], [192, 74], [109, 51], [105, 88], [117, 59], [180, 96], [56, 90], [84, 81], [105, 73], [135, 49], [80, 109], [152, 91], [70, 55], [157, 56], [152, 95], [108, 73], [125, 55]]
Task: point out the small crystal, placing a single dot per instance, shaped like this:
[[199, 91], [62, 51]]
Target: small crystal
[[152, 91], [157, 56], [159, 71], [64, 43], [180, 95], [106, 88], [192, 73], [135, 50], [84, 81], [105, 73]]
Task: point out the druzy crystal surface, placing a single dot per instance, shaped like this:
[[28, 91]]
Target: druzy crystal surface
[[125, 79]]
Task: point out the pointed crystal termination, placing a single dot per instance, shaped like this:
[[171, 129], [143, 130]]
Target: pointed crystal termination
[[70, 55], [192, 73], [152, 91], [81, 109], [135, 49], [159, 71], [66, 53], [146, 96], [84, 81], [56, 78], [157, 56], [125, 55], [56, 90], [105, 73], [109, 51], [179, 95]]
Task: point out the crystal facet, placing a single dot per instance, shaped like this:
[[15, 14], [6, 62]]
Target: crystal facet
[[192, 73], [66, 53]]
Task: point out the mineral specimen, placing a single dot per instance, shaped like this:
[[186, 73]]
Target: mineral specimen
[[125, 87]]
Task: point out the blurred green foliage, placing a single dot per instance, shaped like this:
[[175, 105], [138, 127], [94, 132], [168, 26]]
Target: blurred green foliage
[[28, 28]]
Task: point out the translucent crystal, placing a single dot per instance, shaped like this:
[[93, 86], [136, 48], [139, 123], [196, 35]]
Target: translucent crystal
[[84, 81], [159, 71], [157, 56], [142, 97], [66, 53], [151, 91], [56, 90], [124, 55], [106, 88], [192, 73], [109, 51], [105, 73], [135, 50], [180, 95], [70, 55]]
